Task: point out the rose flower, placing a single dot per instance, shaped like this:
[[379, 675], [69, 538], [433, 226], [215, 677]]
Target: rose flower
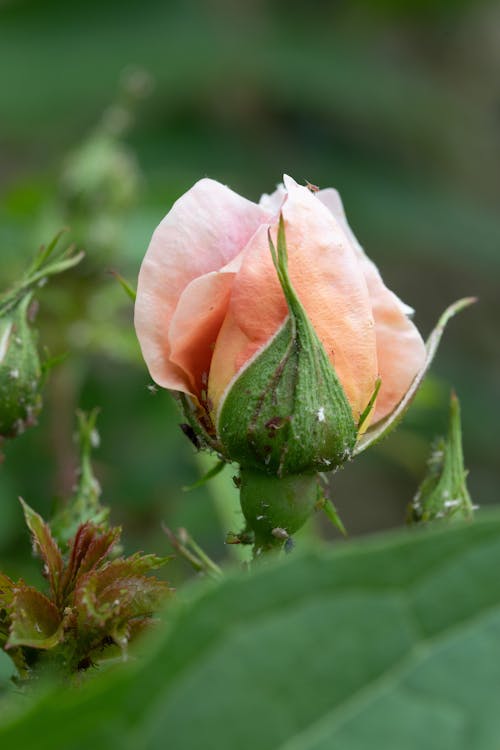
[[209, 299], [283, 357]]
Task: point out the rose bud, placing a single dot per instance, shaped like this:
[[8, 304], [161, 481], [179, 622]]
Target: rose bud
[[288, 351], [20, 370], [443, 493], [21, 373]]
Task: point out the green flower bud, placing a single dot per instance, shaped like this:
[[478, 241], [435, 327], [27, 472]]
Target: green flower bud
[[20, 370], [443, 493], [21, 373]]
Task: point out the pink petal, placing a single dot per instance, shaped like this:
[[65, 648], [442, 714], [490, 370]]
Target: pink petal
[[325, 273], [273, 202], [205, 229], [400, 348]]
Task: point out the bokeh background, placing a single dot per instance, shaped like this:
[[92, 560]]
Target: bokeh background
[[110, 110]]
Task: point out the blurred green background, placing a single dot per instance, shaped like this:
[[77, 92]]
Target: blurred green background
[[110, 110]]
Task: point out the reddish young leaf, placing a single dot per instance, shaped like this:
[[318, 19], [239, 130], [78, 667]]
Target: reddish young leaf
[[45, 546], [98, 549], [81, 542], [123, 567], [35, 620], [90, 547], [119, 591], [136, 564], [98, 604], [136, 596]]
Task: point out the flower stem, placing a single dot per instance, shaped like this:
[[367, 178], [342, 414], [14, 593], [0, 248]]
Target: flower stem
[[187, 548]]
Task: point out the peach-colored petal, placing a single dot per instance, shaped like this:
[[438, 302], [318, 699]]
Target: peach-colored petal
[[205, 229], [325, 273], [400, 348], [195, 326], [231, 348]]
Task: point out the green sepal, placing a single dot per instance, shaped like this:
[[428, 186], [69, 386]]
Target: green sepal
[[330, 511], [198, 426], [210, 474], [385, 426], [287, 412], [443, 493], [125, 285]]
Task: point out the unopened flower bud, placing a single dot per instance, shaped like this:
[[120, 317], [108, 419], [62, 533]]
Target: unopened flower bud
[[21, 373], [287, 362], [20, 370], [443, 493]]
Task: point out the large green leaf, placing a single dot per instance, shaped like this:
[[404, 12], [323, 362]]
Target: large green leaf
[[390, 643]]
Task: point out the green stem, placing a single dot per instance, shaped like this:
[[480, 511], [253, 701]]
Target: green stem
[[196, 557]]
